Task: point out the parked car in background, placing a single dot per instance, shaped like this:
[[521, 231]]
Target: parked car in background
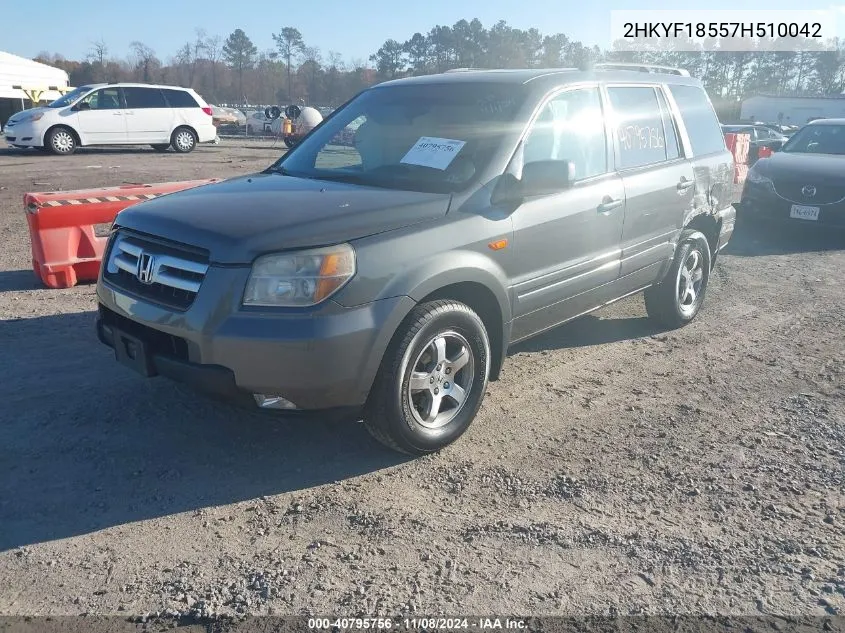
[[240, 117], [257, 123], [760, 136], [116, 114], [222, 116], [388, 280], [802, 183]]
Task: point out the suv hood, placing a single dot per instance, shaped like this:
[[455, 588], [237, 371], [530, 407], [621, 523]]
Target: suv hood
[[237, 220], [786, 166]]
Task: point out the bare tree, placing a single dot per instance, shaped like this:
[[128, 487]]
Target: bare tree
[[97, 54], [214, 52], [145, 60]]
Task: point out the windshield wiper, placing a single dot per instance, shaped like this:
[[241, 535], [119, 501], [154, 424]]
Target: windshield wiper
[[278, 170]]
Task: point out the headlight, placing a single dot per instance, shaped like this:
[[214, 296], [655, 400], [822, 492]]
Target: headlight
[[755, 177], [302, 278], [37, 116]]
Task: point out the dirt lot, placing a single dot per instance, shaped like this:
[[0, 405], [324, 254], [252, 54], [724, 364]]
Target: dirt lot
[[613, 469]]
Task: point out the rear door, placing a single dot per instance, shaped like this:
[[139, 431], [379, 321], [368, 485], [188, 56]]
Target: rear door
[[705, 147], [149, 118], [566, 244], [659, 181], [101, 117]]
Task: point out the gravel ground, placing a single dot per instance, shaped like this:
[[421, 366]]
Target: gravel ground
[[614, 468]]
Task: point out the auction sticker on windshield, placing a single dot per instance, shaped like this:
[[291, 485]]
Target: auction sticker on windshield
[[430, 151]]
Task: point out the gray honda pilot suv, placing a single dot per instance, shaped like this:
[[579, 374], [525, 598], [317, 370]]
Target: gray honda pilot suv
[[382, 268]]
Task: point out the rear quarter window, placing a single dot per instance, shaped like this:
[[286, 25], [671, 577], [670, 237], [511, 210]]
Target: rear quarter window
[[180, 99], [703, 127]]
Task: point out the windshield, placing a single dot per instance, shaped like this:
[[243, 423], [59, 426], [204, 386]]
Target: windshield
[[817, 139], [433, 138], [69, 98]]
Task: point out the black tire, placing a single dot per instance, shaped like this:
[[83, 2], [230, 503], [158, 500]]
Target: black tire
[[183, 140], [395, 417], [290, 141], [161, 147], [61, 141], [670, 303]]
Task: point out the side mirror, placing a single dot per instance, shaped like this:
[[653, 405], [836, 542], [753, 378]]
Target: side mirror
[[546, 177], [83, 105]]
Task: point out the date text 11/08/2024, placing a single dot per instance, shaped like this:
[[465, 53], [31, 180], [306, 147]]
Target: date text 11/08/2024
[[416, 624]]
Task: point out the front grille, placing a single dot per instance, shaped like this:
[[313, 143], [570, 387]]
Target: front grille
[[824, 194], [163, 272], [158, 343]]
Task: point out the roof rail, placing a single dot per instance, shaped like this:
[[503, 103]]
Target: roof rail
[[644, 68], [461, 70]]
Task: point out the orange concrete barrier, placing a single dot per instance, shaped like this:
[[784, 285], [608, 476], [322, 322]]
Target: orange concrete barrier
[[739, 145], [68, 230]]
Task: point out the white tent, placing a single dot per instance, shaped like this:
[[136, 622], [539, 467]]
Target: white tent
[[19, 71]]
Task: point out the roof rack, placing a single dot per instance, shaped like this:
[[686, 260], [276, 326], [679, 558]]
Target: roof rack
[[644, 68], [462, 70]]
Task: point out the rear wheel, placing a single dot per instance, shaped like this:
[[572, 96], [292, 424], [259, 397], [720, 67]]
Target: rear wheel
[[677, 299], [161, 147], [432, 379], [60, 140], [183, 140]]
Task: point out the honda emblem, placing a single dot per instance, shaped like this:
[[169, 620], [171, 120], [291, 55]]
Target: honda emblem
[[146, 268]]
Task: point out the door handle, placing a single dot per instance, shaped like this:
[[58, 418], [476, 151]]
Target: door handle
[[608, 204], [685, 184], [117, 113]]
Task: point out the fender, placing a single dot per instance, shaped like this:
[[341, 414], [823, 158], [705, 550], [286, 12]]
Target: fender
[[427, 277]]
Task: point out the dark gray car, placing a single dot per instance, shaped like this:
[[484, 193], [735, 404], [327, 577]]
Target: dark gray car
[[383, 267]]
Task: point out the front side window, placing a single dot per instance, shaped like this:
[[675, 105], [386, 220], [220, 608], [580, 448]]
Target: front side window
[[104, 99], [638, 122], [144, 98], [570, 127], [423, 137]]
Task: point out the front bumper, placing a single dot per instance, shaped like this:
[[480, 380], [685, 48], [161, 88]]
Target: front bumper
[[22, 134], [318, 359], [760, 201]]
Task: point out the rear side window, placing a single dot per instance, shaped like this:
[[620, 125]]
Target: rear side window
[[705, 134], [144, 98], [180, 99], [639, 126]]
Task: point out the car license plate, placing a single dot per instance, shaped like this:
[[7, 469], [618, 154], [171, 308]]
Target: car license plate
[[132, 352], [801, 212]]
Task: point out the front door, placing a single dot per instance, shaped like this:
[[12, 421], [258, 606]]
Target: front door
[[149, 118], [566, 245], [101, 117]]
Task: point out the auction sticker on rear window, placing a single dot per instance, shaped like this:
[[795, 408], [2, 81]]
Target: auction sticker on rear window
[[430, 151]]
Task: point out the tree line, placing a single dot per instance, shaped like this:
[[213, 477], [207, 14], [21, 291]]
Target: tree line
[[233, 70]]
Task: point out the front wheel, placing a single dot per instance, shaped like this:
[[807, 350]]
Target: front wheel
[[61, 141], [432, 379], [184, 140], [677, 299]]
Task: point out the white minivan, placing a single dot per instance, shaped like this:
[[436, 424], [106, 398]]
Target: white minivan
[[115, 114]]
